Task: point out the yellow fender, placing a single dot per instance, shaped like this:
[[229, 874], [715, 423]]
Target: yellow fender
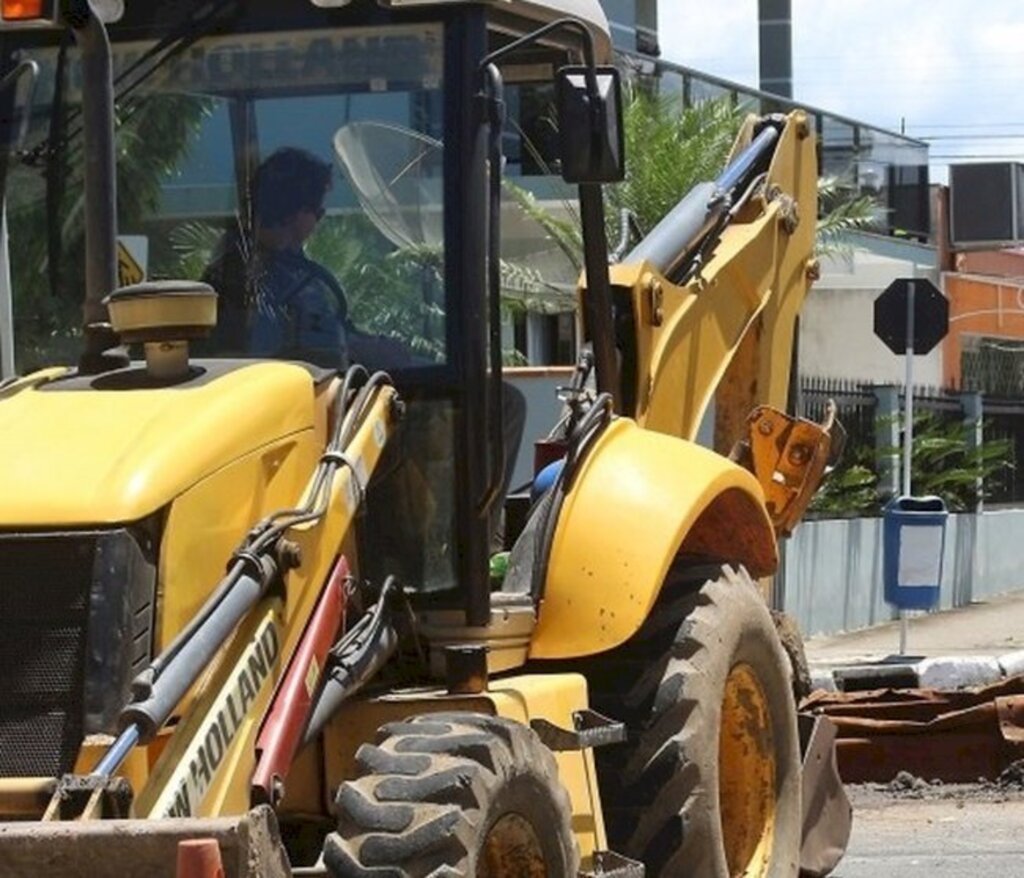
[[639, 500]]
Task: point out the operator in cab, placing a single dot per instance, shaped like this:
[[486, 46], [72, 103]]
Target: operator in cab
[[275, 301]]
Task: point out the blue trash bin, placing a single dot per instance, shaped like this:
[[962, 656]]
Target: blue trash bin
[[914, 537]]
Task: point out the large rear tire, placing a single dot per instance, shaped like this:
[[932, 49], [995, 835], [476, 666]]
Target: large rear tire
[[708, 785], [453, 794]]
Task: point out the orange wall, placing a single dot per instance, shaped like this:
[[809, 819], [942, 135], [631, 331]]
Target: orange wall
[[979, 306], [1004, 263]]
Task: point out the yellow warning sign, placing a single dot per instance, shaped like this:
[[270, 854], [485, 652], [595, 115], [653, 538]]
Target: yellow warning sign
[[129, 271]]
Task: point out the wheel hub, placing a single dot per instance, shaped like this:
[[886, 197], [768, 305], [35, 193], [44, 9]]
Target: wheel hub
[[747, 772]]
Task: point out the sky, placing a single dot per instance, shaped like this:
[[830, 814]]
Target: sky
[[950, 71]]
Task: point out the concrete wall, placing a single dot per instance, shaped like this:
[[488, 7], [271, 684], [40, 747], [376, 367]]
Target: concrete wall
[[837, 338], [543, 409], [832, 577]]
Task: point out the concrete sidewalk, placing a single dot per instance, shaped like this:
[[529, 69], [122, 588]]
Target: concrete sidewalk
[[971, 645]]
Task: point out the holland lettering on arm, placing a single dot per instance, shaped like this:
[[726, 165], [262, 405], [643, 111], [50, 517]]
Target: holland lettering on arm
[[193, 779]]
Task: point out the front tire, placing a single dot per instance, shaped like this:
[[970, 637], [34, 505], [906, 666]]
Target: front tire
[[453, 794], [709, 784]]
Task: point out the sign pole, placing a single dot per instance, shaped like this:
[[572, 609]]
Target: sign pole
[[908, 426], [911, 317], [908, 430]]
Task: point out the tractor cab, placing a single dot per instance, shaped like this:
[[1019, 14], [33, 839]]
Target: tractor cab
[[322, 165]]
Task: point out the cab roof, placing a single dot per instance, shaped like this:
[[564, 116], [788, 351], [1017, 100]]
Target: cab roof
[[541, 11]]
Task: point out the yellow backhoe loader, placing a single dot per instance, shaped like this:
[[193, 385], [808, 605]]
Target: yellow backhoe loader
[[275, 592]]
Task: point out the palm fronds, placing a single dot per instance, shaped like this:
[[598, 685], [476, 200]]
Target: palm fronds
[[669, 150], [841, 212]]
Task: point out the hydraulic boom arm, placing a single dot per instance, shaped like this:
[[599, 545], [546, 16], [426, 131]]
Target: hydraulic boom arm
[[711, 296]]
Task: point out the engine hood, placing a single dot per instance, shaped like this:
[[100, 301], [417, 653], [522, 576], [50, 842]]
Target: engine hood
[[103, 450]]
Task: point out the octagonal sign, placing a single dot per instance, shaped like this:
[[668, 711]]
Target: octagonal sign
[[931, 315]]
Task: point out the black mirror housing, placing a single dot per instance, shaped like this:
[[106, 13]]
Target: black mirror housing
[[592, 139]]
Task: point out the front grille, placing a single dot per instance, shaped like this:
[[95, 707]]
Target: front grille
[[44, 611]]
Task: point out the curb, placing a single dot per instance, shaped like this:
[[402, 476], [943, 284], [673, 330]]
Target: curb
[[941, 673]]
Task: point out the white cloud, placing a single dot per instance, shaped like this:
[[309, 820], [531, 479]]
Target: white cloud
[[716, 38], [933, 64]]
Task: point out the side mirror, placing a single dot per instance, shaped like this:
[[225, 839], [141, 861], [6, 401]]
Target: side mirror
[[591, 134]]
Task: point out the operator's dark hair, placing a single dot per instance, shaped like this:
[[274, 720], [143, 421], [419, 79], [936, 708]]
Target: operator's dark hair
[[287, 181]]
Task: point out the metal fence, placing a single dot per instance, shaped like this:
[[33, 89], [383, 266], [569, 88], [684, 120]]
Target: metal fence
[[855, 403], [1004, 420], [870, 427]]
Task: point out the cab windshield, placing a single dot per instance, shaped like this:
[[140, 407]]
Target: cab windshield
[[298, 172]]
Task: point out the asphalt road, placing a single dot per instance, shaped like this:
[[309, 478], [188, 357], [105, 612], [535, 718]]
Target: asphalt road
[[956, 838]]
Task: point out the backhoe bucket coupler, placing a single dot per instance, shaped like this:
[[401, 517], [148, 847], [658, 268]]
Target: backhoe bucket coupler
[[790, 457]]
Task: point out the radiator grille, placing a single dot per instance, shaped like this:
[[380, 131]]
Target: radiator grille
[[44, 610]]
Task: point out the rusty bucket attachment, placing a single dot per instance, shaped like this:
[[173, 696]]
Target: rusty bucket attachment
[[790, 457], [249, 846]]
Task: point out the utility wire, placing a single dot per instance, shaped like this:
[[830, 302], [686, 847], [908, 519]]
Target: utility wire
[[960, 137]]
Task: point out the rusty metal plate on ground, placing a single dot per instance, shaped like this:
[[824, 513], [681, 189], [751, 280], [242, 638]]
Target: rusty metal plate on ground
[[949, 736], [1010, 710]]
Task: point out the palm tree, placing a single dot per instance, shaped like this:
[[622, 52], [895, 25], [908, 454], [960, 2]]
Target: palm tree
[[841, 212], [669, 150]]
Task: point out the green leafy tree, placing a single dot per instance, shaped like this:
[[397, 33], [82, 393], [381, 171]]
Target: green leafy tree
[[669, 150], [841, 211], [851, 489], [394, 292], [943, 464]]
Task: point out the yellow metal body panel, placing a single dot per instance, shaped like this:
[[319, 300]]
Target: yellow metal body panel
[[639, 499], [25, 798], [217, 457], [553, 697], [92, 457], [207, 523], [645, 494]]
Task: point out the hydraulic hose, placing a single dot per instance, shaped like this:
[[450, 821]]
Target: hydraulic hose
[[266, 533], [583, 434], [357, 657], [704, 212], [194, 656]]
